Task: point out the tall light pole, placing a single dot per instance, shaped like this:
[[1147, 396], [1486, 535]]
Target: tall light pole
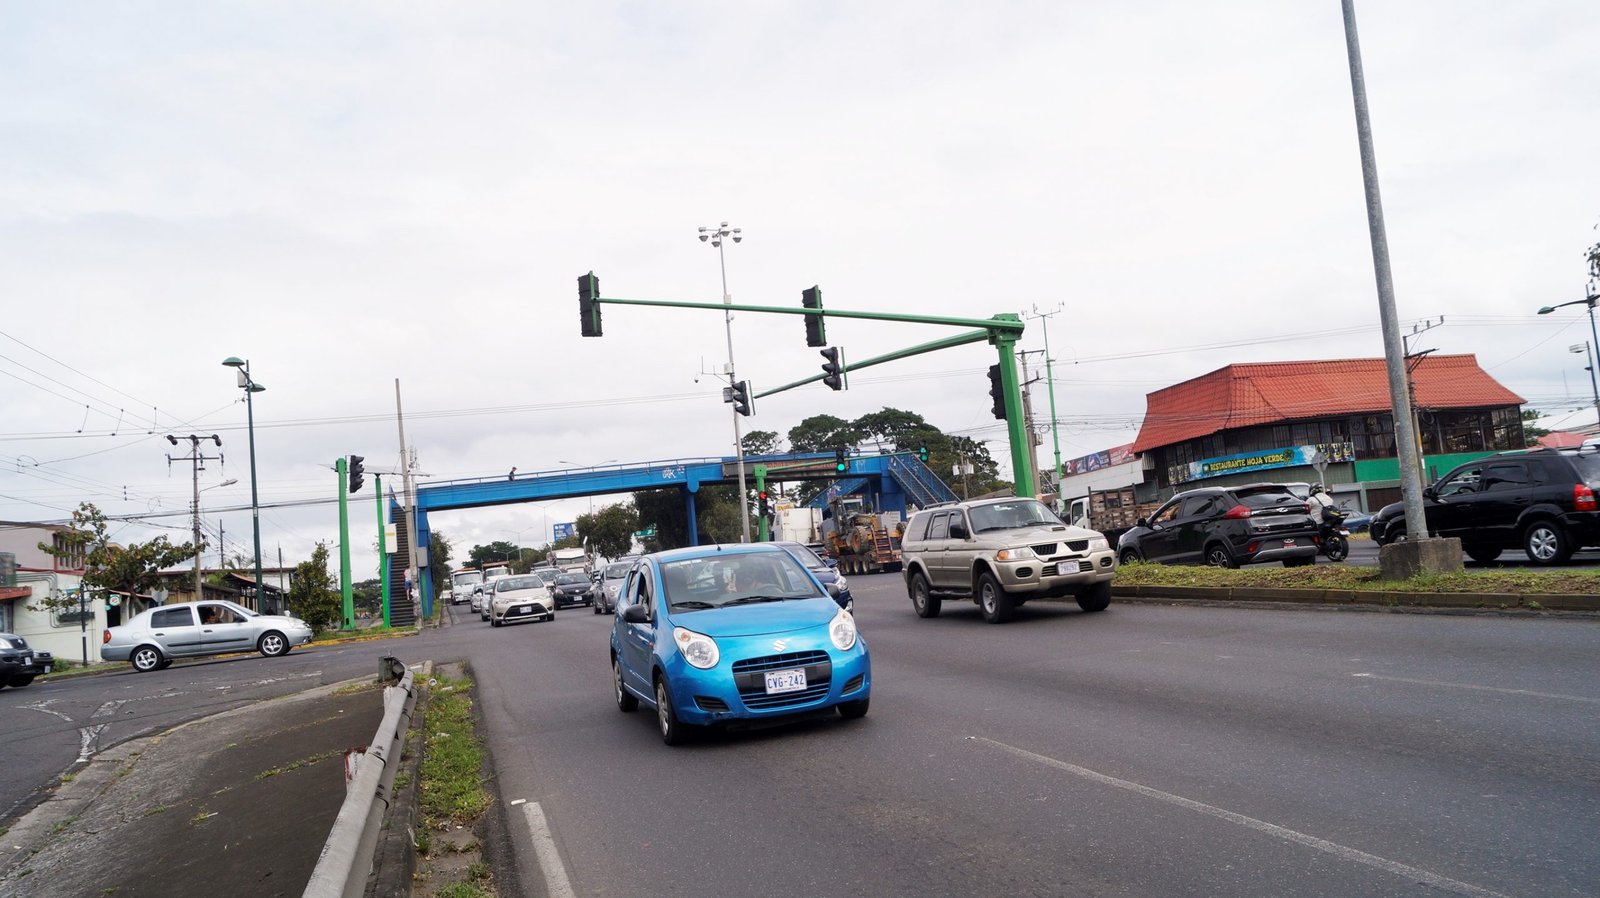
[[715, 236], [518, 533], [1589, 301], [251, 387]]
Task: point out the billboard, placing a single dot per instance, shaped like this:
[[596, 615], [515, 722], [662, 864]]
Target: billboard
[[1287, 457], [1104, 459], [562, 531]]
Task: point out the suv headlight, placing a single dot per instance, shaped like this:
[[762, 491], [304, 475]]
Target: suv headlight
[[840, 584], [1099, 544], [698, 649], [1017, 554], [842, 630]]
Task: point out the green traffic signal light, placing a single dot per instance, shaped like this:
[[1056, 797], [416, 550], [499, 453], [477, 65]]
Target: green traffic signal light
[[922, 454], [841, 464], [589, 304]]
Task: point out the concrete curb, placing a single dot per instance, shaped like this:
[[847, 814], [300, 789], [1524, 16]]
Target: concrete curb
[[1361, 597]]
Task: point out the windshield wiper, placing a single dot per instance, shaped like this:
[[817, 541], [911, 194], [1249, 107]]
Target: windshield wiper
[[692, 604], [750, 600]]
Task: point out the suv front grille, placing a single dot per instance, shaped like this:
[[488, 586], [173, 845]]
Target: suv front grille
[[1069, 567]]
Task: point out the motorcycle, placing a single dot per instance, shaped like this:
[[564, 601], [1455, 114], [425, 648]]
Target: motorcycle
[[1333, 540]]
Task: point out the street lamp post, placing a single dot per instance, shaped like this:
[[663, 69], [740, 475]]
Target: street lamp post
[[1589, 301], [716, 236], [519, 533], [251, 387]]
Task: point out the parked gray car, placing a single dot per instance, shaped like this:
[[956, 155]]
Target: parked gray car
[[153, 639]]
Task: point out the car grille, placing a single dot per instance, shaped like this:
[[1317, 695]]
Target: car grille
[[749, 677], [853, 684], [1071, 545], [1068, 567], [710, 703]]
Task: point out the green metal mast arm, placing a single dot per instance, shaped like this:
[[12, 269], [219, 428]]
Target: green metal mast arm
[[1009, 324], [920, 348]]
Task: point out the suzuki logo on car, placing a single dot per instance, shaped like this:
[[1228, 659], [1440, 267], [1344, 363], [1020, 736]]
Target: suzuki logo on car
[[779, 645]]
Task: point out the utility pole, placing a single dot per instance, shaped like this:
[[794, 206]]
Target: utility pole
[[1050, 381], [410, 494], [1027, 416], [197, 460], [1417, 330], [716, 236]]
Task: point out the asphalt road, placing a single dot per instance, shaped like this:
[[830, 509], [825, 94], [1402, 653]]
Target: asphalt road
[[1147, 750]]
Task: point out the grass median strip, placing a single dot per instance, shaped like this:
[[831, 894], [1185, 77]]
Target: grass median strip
[[452, 777], [1505, 581]]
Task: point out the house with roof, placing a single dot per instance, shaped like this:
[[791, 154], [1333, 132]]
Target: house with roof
[[1281, 421]]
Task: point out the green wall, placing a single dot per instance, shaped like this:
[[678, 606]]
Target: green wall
[[1433, 467]]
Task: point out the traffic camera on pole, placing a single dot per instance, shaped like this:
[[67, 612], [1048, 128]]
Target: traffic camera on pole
[[833, 368], [816, 335], [353, 473], [997, 392], [739, 395], [589, 304]]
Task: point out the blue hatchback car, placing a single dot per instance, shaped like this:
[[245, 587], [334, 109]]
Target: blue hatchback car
[[733, 634]]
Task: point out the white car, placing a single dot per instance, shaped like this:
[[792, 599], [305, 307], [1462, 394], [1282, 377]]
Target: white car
[[153, 639], [521, 598]]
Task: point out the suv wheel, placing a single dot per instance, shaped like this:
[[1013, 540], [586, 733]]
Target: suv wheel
[[1546, 543], [922, 600], [996, 605], [1129, 556], [1483, 554], [1217, 555], [1096, 597]]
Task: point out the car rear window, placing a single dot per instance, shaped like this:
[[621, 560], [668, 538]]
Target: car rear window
[[1588, 467], [1271, 499]]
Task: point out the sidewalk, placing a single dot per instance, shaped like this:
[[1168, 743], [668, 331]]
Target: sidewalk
[[239, 804]]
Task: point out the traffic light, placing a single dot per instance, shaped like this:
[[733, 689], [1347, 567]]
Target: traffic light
[[353, 473], [833, 368], [811, 298], [841, 463], [739, 395], [922, 454], [764, 503], [997, 392], [589, 304]]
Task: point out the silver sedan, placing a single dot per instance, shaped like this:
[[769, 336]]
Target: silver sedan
[[153, 639]]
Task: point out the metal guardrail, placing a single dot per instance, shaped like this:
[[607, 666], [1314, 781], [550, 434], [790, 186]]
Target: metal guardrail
[[346, 859]]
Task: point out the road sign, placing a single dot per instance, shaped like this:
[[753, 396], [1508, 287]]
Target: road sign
[[565, 530], [645, 533]]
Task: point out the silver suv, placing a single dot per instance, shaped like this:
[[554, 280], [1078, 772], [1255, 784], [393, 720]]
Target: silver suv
[[1001, 553]]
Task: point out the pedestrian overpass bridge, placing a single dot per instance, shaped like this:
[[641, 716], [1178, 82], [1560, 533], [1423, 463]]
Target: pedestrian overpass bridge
[[891, 482]]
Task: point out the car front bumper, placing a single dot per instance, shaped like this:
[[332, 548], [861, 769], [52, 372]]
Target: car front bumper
[[25, 664], [520, 612], [1036, 577], [567, 599], [734, 691]]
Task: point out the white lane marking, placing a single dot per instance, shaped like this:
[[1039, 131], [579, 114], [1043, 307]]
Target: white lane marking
[[40, 706], [89, 736], [1447, 685], [1261, 826], [544, 848]]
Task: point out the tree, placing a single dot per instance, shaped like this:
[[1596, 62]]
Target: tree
[[439, 561], [762, 442], [497, 552], [133, 569], [314, 596], [609, 531], [893, 427], [716, 516], [822, 433], [1530, 433]]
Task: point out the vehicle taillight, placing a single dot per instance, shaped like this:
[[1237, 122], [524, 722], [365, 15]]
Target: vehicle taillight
[[1583, 497], [1236, 512], [105, 636]]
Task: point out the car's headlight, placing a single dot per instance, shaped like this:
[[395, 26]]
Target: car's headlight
[[698, 649], [1099, 544], [842, 630], [1016, 554], [841, 584]]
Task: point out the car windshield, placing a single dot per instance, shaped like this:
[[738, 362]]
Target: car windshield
[[507, 584], [568, 579], [617, 571], [466, 579], [744, 578], [1012, 515]]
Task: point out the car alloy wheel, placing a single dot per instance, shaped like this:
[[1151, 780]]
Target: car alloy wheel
[[1129, 556], [273, 644], [146, 659], [673, 731], [1545, 543], [993, 601], [625, 700], [1217, 556]]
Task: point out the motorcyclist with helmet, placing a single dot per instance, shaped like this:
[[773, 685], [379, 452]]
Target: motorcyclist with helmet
[[1332, 539]]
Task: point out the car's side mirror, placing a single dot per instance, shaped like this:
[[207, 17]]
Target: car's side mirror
[[1430, 493], [959, 531], [636, 614], [1142, 522], [831, 562]]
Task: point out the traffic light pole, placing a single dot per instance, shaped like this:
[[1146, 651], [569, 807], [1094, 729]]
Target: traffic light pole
[[383, 548], [344, 549]]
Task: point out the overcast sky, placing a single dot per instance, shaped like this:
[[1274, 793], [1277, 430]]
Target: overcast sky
[[349, 194]]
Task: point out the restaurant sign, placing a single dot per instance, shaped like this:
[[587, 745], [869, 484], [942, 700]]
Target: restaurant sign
[[1287, 457]]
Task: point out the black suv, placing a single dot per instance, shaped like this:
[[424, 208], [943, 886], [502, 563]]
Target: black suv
[[20, 664], [1226, 527], [1541, 500]]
